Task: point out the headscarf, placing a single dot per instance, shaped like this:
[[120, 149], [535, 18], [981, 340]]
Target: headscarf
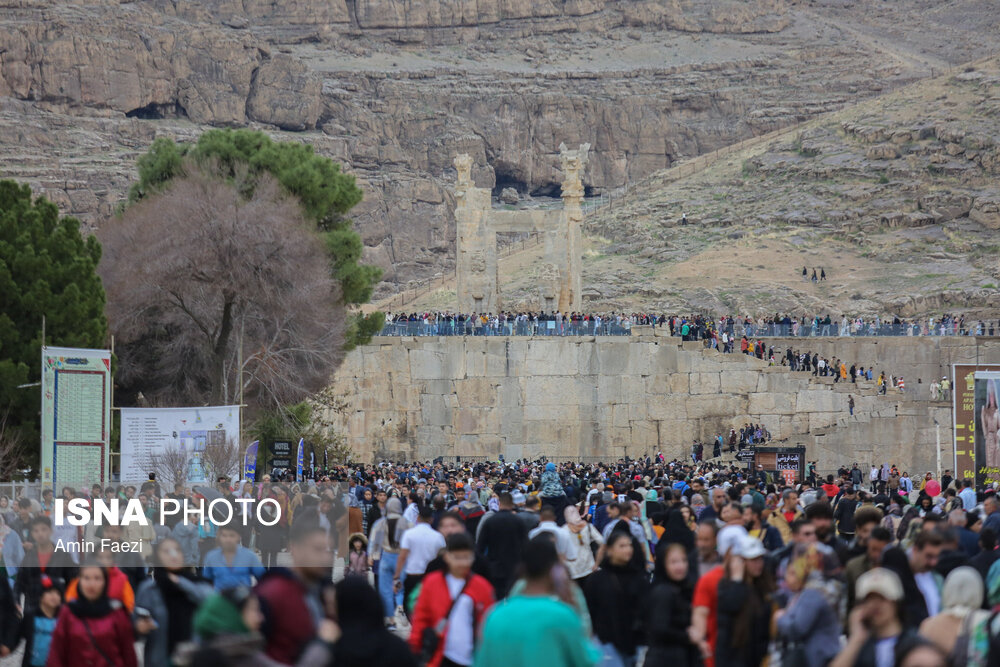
[[676, 530], [218, 615], [962, 592], [83, 607]]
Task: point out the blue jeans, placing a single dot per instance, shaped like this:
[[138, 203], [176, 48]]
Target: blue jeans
[[386, 571]]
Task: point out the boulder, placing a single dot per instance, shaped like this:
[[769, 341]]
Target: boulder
[[286, 94], [509, 196]]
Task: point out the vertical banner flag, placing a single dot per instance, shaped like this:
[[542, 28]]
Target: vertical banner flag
[[76, 417], [250, 462], [312, 460], [300, 460], [326, 466]]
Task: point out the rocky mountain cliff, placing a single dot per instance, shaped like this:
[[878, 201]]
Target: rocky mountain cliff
[[394, 89]]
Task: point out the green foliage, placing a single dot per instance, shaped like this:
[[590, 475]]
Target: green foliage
[[362, 327], [46, 268], [326, 194]]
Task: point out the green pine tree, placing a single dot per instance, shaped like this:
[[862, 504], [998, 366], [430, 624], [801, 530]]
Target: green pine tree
[[326, 195], [46, 268]]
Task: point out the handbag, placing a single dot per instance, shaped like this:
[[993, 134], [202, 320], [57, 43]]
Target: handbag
[[430, 638]]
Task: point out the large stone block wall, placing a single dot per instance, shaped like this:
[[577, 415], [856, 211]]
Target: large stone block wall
[[423, 397]]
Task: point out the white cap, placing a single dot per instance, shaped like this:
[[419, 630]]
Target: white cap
[[751, 547], [879, 581], [729, 537]]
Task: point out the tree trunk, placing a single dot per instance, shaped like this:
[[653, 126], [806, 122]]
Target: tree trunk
[[219, 352]]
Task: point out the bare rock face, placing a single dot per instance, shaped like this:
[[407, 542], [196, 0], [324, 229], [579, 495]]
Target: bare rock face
[[286, 94], [727, 16], [98, 60], [986, 211]]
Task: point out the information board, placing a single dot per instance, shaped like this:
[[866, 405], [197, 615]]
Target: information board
[[963, 395], [172, 441], [76, 417]]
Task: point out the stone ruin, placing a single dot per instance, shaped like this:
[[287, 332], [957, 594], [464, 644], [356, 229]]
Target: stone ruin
[[478, 224]]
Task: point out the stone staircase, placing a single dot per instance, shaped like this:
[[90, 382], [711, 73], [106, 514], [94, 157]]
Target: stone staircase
[[898, 427]]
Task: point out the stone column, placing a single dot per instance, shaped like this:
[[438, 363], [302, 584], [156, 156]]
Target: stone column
[[573, 164], [476, 244]]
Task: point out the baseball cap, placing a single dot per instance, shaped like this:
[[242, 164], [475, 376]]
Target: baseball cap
[[880, 581], [518, 498], [729, 537], [751, 547]]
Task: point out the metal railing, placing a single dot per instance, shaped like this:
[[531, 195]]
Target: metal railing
[[509, 328]]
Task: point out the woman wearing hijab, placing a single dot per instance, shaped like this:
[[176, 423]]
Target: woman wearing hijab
[[676, 530], [92, 630], [166, 604], [744, 611], [589, 546], [808, 624], [668, 610], [365, 641], [954, 630], [614, 599]]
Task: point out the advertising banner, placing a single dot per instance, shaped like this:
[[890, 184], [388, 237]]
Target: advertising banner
[[76, 417], [987, 427], [963, 395], [300, 461], [181, 445], [250, 462]]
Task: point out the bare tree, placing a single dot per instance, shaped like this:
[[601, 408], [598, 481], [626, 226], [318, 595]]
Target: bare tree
[[170, 466], [222, 459], [199, 276], [11, 448]]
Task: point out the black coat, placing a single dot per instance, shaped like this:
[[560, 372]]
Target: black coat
[[501, 539], [614, 600], [733, 595], [667, 615], [8, 615]]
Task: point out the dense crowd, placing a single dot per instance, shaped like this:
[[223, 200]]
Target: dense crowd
[[692, 327], [527, 563]]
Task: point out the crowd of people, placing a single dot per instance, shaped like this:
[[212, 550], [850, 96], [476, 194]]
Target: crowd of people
[[523, 563], [722, 330]]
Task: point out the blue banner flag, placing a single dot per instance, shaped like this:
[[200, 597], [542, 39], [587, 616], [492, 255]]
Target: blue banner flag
[[250, 462], [300, 460]]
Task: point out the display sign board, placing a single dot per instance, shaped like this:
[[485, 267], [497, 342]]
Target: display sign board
[[963, 396], [783, 463], [281, 455], [745, 455], [170, 440], [76, 417]]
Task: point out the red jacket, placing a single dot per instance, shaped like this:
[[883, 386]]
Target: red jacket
[[435, 601], [72, 645]]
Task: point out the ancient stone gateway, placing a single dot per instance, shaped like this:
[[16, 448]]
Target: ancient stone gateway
[[477, 226]]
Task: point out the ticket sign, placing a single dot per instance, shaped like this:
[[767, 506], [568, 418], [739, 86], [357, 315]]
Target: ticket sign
[[964, 418], [76, 417]]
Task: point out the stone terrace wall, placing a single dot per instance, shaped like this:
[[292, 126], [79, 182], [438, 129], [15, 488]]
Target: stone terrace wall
[[418, 398]]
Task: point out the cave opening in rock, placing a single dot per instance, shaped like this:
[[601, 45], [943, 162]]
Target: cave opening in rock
[[154, 111], [508, 175]]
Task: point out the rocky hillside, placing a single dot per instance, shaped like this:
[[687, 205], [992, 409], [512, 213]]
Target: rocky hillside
[[394, 89], [898, 199]]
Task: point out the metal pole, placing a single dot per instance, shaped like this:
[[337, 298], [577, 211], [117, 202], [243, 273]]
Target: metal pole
[[937, 432]]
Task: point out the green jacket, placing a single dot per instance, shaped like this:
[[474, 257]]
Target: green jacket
[[532, 630]]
